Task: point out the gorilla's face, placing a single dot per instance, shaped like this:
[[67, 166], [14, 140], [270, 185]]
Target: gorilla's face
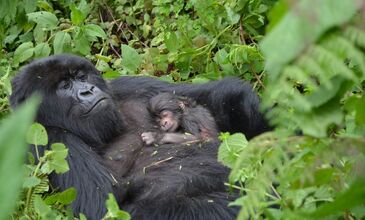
[[75, 97], [89, 98]]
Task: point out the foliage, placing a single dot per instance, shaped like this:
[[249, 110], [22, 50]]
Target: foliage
[[309, 70], [38, 199], [34, 203], [12, 153], [315, 85], [113, 210]]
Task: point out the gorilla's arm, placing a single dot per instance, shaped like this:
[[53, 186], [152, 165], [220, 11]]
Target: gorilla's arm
[[87, 175], [232, 102]]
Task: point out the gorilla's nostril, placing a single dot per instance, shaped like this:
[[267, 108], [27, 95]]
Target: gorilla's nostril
[[85, 93]]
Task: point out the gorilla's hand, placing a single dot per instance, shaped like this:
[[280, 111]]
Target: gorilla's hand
[[149, 137]]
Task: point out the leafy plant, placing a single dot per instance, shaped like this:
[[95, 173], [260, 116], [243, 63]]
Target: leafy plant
[[36, 202], [314, 85], [12, 154]]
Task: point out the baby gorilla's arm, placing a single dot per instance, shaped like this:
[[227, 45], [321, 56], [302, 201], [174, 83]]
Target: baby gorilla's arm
[[167, 138]]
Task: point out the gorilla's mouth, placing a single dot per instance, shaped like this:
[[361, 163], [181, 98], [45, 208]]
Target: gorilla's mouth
[[95, 105]]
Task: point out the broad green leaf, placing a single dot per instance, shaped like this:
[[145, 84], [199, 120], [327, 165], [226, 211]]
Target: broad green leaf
[[42, 50], [360, 111], [113, 210], [131, 59], [103, 66], [58, 160], [23, 52], [30, 5], [230, 148], [82, 44], [93, 31], [44, 19], [31, 181], [37, 135], [39, 35], [12, 154], [42, 209], [84, 7], [233, 17], [66, 197], [111, 75], [171, 42], [77, 17], [273, 214], [61, 42], [276, 14]]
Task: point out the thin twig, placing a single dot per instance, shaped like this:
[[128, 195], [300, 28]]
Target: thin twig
[[242, 33], [158, 162]]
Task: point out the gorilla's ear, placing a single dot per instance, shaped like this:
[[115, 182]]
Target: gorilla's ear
[[21, 91], [18, 95], [182, 105]]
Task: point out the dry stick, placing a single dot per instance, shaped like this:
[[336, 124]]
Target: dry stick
[[111, 45], [158, 162], [275, 192], [257, 77], [114, 50], [242, 33], [116, 182], [119, 25], [145, 45]]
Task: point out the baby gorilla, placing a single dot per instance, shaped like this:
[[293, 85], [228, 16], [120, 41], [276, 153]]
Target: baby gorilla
[[180, 120]]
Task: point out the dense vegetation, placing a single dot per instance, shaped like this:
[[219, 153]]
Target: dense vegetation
[[305, 58]]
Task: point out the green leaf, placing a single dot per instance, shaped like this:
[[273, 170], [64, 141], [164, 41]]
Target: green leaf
[[42, 50], [42, 209], [103, 66], [230, 148], [113, 210], [31, 181], [92, 31], [354, 196], [44, 19], [77, 17], [131, 59], [23, 52], [233, 17], [84, 7], [316, 122], [39, 35], [276, 14], [66, 197], [82, 217], [360, 110], [12, 154], [37, 135], [62, 42], [82, 43], [58, 160], [171, 42]]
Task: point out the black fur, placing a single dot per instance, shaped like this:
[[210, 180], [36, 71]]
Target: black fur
[[177, 182]]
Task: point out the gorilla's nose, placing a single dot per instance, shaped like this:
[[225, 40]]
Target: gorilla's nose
[[86, 91]]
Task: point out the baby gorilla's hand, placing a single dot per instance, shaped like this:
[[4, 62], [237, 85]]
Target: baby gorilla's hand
[[149, 137]]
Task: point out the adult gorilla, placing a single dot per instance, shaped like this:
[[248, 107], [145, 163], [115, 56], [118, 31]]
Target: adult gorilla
[[93, 118]]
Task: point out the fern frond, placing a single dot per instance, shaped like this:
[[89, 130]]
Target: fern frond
[[356, 35]]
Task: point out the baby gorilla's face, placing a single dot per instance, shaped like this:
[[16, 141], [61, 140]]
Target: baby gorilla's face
[[168, 121]]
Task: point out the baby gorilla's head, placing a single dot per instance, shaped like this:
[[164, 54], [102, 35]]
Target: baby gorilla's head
[[167, 109]]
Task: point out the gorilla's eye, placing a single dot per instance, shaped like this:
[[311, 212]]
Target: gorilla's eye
[[66, 84], [82, 77], [165, 114]]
